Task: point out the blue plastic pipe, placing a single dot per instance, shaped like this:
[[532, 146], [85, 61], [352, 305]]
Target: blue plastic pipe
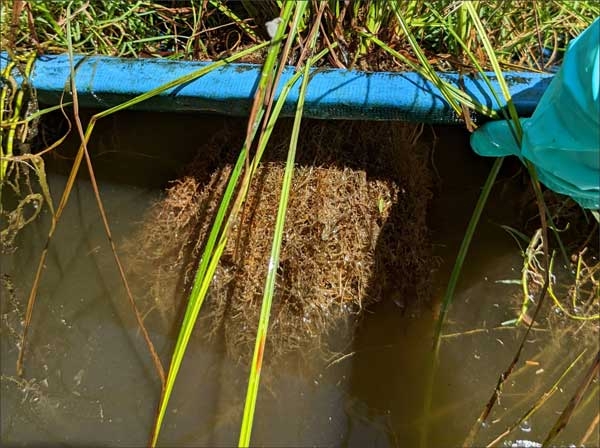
[[103, 82]]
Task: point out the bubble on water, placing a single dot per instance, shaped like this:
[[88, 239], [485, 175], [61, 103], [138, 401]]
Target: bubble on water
[[522, 444], [577, 310], [525, 426], [558, 311]]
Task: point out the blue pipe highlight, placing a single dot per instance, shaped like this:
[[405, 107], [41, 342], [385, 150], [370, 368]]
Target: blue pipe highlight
[[103, 82]]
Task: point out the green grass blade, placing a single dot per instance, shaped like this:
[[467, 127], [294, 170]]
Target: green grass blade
[[446, 26], [464, 248], [221, 6], [37, 114], [214, 250], [261, 338], [452, 94], [7, 151], [449, 294], [275, 114], [428, 69], [514, 123], [264, 80], [481, 33], [181, 80], [517, 132]]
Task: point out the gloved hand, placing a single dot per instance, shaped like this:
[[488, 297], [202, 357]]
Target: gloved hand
[[562, 138]]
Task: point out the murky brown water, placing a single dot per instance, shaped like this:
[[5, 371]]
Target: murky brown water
[[88, 376]]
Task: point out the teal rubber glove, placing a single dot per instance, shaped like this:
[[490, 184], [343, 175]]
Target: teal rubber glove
[[562, 138]]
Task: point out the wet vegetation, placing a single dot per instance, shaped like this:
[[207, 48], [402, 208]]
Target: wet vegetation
[[356, 206], [290, 230]]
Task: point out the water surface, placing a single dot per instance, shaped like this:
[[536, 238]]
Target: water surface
[[89, 380]]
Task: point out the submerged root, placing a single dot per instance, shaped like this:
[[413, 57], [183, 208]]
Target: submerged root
[[355, 234], [21, 203], [573, 294], [20, 199], [326, 263]]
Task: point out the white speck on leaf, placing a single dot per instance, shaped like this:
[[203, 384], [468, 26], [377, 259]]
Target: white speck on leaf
[[272, 26]]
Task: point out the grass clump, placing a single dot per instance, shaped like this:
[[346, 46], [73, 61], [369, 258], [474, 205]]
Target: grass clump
[[524, 34], [356, 217]]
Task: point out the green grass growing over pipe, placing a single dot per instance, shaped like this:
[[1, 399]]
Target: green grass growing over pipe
[[519, 30]]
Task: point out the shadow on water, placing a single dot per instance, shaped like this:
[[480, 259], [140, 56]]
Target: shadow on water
[[394, 342], [89, 379]]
